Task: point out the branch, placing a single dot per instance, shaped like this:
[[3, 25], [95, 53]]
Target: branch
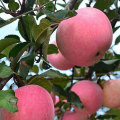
[[71, 4], [3, 81]]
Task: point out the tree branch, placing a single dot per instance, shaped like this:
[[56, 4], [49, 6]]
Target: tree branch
[[71, 4], [3, 81]]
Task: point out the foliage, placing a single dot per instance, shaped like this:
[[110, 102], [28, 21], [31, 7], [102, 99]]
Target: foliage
[[28, 59]]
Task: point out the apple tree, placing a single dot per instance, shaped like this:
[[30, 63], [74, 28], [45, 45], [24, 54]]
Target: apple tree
[[28, 58]]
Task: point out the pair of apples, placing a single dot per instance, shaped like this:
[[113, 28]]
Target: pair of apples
[[82, 40]]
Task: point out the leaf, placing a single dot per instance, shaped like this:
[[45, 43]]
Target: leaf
[[29, 5], [111, 14], [20, 53], [52, 49], [61, 81], [16, 49], [6, 1], [57, 16], [77, 4], [38, 30], [115, 28], [13, 6], [8, 100], [5, 71], [38, 80], [103, 4], [105, 66], [35, 69], [74, 99], [29, 21], [2, 56], [52, 73], [45, 44], [2, 21], [114, 111], [117, 40], [7, 42], [26, 65], [58, 89]]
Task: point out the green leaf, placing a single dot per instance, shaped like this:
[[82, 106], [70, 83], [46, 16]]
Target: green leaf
[[59, 15], [7, 42], [8, 100], [29, 21], [77, 4], [5, 71], [46, 36], [103, 4], [115, 28], [117, 40], [13, 36], [6, 1], [35, 69], [58, 89], [1, 10], [2, 21], [2, 56], [16, 49], [42, 82], [40, 29], [114, 111], [116, 3], [13, 6], [61, 81], [52, 73], [112, 14], [26, 65], [52, 49], [25, 46], [106, 66], [74, 99], [29, 5]]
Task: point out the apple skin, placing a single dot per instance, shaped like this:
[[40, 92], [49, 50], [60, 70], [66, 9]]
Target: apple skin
[[111, 92], [34, 103], [90, 94], [59, 61], [74, 116], [84, 38]]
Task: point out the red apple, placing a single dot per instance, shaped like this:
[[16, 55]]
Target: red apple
[[74, 116], [34, 103], [90, 94], [111, 92], [59, 61], [84, 38]]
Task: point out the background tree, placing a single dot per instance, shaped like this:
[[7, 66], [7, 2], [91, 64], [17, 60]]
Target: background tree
[[29, 57]]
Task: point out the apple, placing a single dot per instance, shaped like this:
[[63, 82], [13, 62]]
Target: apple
[[84, 38], [59, 61], [34, 103], [74, 116], [90, 94], [111, 93]]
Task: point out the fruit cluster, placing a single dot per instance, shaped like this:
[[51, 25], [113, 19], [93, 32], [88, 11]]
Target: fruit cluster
[[82, 41]]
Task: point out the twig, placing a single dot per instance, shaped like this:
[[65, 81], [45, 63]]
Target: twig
[[89, 74], [2, 4], [71, 4], [73, 71], [3, 81]]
